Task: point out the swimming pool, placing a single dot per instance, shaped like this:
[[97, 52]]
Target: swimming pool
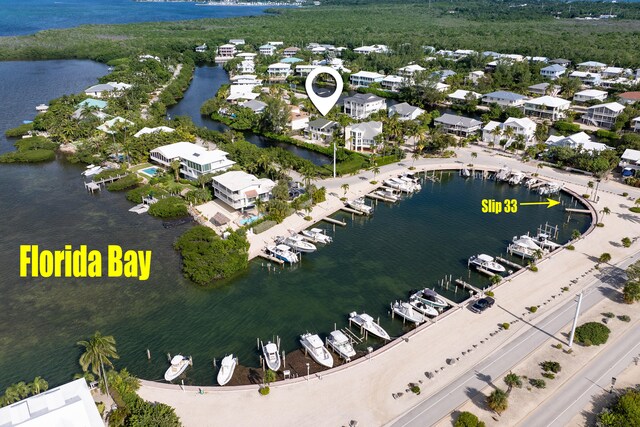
[[249, 220], [152, 171]]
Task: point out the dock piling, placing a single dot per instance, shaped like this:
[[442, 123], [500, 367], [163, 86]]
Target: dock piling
[[148, 355]]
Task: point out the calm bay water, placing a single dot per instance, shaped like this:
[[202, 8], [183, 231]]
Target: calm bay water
[[26, 17], [371, 262]]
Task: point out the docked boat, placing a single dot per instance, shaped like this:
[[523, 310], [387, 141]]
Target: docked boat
[[360, 205], [317, 235], [92, 171], [283, 252], [544, 241], [399, 185], [297, 243], [412, 180], [314, 347], [367, 323], [271, 356], [422, 308], [550, 188], [503, 174], [487, 262], [524, 247], [530, 182], [431, 297], [516, 177], [389, 195], [465, 173], [404, 310], [227, 366], [340, 343], [179, 364]]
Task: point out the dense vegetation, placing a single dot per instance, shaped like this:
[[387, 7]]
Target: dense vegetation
[[592, 333], [206, 257], [22, 390], [30, 150], [623, 412], [169, 207]]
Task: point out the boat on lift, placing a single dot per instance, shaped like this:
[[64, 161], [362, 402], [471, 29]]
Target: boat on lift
[[283, 252], [422, 308], [431, 297], [516, 177], [297, 243], [367, 323], [340, 343], [360, 205], [271, 356], [404, 310], [179, 364], [317, 235], [313, 344], [487, 262], [387, 194]]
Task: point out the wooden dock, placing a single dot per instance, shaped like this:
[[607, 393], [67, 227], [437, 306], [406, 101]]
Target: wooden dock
[[334, 221], [584, 211], [91, 186], [110, 179], [484, 271], [468, 286], [538, 184], [376, 197], [509, 263], [270, 258], [351, 211]]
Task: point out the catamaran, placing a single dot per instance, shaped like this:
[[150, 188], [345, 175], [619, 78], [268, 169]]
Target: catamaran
[[317, 235], [404, 310], [313, 344], [430, 297], [366, 322], [283, 252], [227, 366], [179, 364], [487, 262], [360, 205], [339, 342], [271, 356], [296, 242], [422, 308]]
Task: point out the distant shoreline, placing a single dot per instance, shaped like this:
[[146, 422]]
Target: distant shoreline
[[222, 3]]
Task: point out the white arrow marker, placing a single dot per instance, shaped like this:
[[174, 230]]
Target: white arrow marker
[[324, 104]]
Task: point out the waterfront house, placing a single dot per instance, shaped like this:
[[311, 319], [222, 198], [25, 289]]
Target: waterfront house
[[109, 89], [304, 70], [590, 95], [254, 105], [116, 122], [247, 55], [544, 89], [239, 93], [494, 131], [547, 107], [91, 104], [194, 159], [267, 50], [612, 72], [628, 98], [69, 405], [577, 141], [202, 48], [462, 96], [246, 67], [362, 105], [298, 119], [237, 42], [226, 50], [592, 66], [405, 111], [587, 78], [603, 115], [410, 70], [458, 125], [279, 71], [376, 48], [147, 131], [290, 52], [504, 99], [365, 78], [321, 130], [362, 136], [635, 124], [630, 159], [561, 61], [240, 190], [393, 83], [245, 80], [553, 71]]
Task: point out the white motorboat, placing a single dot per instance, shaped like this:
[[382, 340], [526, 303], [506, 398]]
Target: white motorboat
[[271, 356], [283, 252], [487, 262], [525, 247], [360, 205], [317, 235], [339, 342], [297, 243], [227, 366], [92, 171], [550, 188], [179, 364], [503, 174], [367, 323], [544, 241], [526, 240], [422, 308], [399, 185], [389, 195], [404, 310], [411, 180], [430, 297], [465, 173], [516, 177], [530, 182], [313, 344]]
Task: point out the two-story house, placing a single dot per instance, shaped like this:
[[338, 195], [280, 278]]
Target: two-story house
[[194, 159], [494, 132], [405, 111], [362, 105], [553, 71], [321, 130], [362, 136], [603, 115], [547, 107], [240, 190], [458, 125], [504, 99], [365, 78]]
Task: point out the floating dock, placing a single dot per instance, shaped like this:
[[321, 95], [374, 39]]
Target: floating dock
[[334, 221]]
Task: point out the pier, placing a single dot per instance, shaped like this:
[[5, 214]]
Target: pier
[[509, 263], [484, 271], [351, 211], [334, 221], [584, 211], [468, 286], [376, 197], [270, 258], [91, 186]]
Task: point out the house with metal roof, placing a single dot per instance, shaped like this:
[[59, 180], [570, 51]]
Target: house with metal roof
[[504, 98], [362, 136], [494, 132], [254, 105], [553, 71], [547, 107], [107, 89], [590, 95], [194, 159], [405, 111], [241, 190], [458, 125], [321, 130], [365, 78], [603, 115], [362, 105], [267, 49], [577, 141]]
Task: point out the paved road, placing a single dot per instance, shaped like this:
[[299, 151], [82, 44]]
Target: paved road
[[587, 384], [505, 358]]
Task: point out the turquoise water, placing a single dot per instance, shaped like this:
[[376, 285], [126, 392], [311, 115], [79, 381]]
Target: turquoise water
[[151, 171], [249, 220]]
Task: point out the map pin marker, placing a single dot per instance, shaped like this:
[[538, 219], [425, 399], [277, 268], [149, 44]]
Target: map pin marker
[[323, 104]]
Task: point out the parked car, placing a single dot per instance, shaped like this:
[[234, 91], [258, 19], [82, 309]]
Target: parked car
[[482, 304]]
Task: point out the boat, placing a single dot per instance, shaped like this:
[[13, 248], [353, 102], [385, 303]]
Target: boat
[[422, 308], [503, 174], [411, 180], [317, 235], [283, 252], [525, 247], [404, 310], [544, 241], [516, 177], [179, 364], [296, 243], [360, 205], [399, 185], [340, 343], [465, 173], [271, 356], [227, 366], [314, 347], [92, 171], [530, 182], [430, 297], [526, 240], [389, 195], [366, 322], [487, 262], [550, 188]]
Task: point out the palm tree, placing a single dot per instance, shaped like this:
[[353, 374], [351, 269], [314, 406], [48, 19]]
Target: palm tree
[[175, 167], [537, 254], [38, 385], [496, 133], [375, 170], [345, 188], [308, 173], [22, 389], [605, 211], [99, 351], [498, 401], [509, 132], [415, 156], [474, 155], [11, 395], [512, 380]]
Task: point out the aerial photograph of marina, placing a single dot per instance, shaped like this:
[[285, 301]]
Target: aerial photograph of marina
[[319, 213]]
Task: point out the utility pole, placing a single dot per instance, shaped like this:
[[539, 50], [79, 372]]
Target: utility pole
[[334, 159], [575, 320]]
